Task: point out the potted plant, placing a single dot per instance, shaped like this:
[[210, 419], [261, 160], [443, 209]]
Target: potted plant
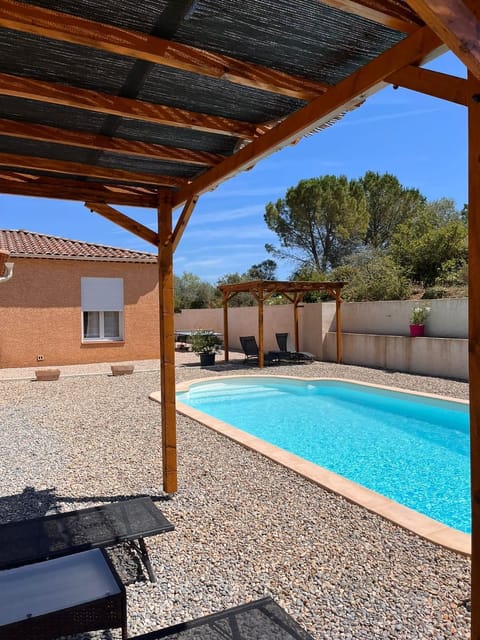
[[417, 320], [206, 344]]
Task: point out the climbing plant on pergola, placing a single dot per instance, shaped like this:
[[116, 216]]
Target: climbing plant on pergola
[[293, 291]]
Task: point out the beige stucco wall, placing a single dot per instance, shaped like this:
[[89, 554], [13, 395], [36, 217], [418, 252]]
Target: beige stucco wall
[[242, 321], [448, 317], [40, 313], [374, 333], [444, 357]]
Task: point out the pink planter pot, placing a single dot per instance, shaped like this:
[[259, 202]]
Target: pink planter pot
[[417, 330]]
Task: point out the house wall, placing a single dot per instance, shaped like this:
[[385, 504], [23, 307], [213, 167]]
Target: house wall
[[40, 313], [375, 334]]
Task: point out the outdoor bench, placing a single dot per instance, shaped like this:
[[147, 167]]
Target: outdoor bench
[[260, 620], [29, 541]]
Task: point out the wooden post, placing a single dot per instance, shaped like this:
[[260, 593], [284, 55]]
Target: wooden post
[[260, 327], [338, 318], [167, 346], [225, 326], [296, 301], [474, 342]]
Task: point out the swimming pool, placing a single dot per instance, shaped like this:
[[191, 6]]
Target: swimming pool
[[410, 448]]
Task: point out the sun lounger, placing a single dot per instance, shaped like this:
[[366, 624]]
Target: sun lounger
[[250, 349], [260, 620], [286, 354], [28, 541]]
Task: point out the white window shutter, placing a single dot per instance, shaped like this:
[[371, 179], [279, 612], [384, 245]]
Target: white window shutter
[[102, 294]]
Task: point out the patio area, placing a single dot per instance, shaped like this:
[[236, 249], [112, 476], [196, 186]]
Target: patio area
[[244, 526]]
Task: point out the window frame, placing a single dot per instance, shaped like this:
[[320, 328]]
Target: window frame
[[101, 326]]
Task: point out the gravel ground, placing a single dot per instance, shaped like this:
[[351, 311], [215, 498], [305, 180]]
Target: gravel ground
[[244, 526]]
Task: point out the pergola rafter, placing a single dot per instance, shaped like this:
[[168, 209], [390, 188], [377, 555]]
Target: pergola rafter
[[62, 26], [386, 12], [59, 94]]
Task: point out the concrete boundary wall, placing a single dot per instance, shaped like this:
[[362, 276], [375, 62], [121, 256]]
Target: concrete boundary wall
[[375, 334]]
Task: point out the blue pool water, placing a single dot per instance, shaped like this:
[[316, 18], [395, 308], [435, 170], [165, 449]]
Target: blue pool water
[[412, 449]]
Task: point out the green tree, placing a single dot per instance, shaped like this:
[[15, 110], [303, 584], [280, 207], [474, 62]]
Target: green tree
[[192, 293], [319, 221], [240, 299], [388, 204], [372, 275], [265, 270], [309, 273], [432, 243]]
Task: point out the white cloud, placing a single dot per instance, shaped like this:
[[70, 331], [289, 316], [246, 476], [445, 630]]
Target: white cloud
[[226, 215], [386, 116]]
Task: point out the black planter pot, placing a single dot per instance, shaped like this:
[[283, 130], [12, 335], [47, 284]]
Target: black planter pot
[[207, 359]]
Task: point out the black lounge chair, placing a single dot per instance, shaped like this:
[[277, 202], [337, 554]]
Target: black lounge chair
[[34, 540], [250, 349], [263, 619], [286, 354]]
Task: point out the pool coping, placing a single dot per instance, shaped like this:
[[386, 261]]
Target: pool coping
[[413, 521]]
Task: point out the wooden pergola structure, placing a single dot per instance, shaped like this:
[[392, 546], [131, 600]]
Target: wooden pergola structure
[[151, 104], [293, 291]]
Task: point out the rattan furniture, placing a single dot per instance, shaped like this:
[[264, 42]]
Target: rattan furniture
[[68, 595], [260, 620], [28, 541]]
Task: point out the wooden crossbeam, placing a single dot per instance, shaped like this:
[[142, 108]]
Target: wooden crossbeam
[[124, 221], [68, 28], [65, 189], [85, 170], [124, 107], [183, 221], [433, 83], [358, 86], [457, 23], [384, 13], [82, 139]]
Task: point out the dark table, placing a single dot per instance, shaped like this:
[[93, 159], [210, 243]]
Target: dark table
[[73, 594], [28, 541], [260, 620]]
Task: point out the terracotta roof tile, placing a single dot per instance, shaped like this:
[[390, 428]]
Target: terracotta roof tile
[[27, 244]]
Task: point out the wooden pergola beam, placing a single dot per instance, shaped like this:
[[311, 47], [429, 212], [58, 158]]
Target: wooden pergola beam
[[289, 288], [183, 221], [141, 46], [89, 171], [89, 100], [124, 221], [412, 50], [384, 13], [45, 187], [456, 22], [122, 146], [433, 83]]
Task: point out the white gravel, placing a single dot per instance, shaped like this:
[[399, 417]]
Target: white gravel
[[245, 527]]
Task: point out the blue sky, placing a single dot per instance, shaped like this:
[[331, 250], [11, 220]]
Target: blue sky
[[421, 140]]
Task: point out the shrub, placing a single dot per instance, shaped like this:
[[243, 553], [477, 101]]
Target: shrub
[[203, 341]]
